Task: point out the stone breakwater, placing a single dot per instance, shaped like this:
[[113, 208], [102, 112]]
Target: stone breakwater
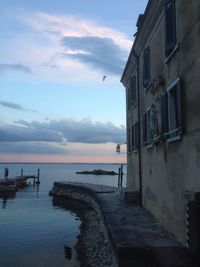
[[93, 247], [128, 233]]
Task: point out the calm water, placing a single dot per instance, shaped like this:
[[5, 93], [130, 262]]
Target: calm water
[[33, 232]]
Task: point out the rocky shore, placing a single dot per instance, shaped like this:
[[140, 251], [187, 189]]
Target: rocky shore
[[92, 247]]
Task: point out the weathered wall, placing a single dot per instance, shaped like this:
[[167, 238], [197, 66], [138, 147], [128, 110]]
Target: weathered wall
[[170, 169]]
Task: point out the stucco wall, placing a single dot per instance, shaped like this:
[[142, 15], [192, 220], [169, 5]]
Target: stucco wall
[[170, 169]]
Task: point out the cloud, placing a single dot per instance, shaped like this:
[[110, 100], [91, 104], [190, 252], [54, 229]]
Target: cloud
[[4, 68], [33, 148], [98, 52], [56, 26], [84, 131], [48, 37], [65, 137], [15, 106], [11, 105], [15, 133]]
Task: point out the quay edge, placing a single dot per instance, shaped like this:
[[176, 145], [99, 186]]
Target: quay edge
[[136, 237]]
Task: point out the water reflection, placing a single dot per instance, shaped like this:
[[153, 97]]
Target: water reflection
[[29, 222], [68, 252], [4, 201]]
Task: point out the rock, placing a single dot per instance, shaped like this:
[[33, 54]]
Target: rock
[[98, 172]]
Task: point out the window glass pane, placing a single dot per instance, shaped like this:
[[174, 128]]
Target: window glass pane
[[133, 90], [173, 112], [170, 25], [144, 128], [146, 66], [164, 113]]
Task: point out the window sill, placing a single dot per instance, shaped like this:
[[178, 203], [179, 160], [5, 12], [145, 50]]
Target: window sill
[[148, 86], [169, 57], [174, 139], [149, 146], [135, 150]]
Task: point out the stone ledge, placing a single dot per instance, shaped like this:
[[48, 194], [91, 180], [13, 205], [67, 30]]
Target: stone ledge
[[136, 236]]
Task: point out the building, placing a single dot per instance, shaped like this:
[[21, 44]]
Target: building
[[162, 81]]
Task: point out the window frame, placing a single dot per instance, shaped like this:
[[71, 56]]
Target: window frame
[[134, 137], [171, 107], [147, 128], [129, 141], [146, 67], [171, 43], [133, 91]]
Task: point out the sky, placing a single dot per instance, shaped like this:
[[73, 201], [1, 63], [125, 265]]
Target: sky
[[61, 61]]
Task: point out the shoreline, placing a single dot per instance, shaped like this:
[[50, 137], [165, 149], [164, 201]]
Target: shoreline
[[92, 247]]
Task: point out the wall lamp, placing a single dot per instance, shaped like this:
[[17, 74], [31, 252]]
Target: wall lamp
[[118, 148]]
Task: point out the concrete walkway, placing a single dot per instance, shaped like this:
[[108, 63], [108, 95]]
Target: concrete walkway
[[136, 236]]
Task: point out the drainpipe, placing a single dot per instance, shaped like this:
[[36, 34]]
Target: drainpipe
[[139, 124]]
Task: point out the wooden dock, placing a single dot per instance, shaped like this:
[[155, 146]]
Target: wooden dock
[[10, 185]]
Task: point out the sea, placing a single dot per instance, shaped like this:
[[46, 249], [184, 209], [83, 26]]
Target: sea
[[33, 231]]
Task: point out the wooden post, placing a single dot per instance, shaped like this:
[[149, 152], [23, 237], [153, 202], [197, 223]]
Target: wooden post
[[6, 171], [119, 175], [22, 172], [38, 173], [38, 176]]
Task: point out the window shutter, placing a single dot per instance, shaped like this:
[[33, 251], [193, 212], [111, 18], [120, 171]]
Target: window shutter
[[146, 66], [133, 90], [170, 25], [136, 136], [164, 113], [128, 97], [144, 129], [132, 137], [179, 106], [129, 140], [154, 120]]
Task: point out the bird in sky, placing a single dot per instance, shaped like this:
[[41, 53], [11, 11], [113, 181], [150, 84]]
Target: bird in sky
[[104, 77]]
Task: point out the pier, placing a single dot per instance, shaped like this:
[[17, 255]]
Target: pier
[[10, 185]]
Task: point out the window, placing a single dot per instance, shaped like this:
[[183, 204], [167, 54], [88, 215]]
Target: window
[[146, 67], [128, 97], [129, 140], [134, 139], [147, 128], [171, 114], [170, 26], [150, 125], [154, 122], [133, 91]]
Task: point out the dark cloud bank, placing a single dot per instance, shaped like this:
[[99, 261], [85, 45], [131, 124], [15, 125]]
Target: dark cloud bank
[[40, 136], [101, 53], [84, 131]]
